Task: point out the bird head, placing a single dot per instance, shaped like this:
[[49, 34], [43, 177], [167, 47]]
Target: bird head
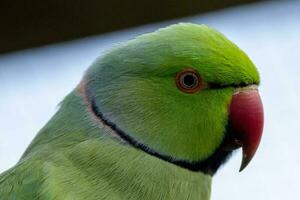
[[184, 93]]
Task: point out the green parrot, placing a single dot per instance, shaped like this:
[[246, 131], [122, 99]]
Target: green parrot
[[154, 118]]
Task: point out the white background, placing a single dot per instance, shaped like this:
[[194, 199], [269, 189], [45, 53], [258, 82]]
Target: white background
[[33, 82]]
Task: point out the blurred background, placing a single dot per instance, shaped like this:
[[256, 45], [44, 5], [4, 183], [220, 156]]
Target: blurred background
[[45, 46]]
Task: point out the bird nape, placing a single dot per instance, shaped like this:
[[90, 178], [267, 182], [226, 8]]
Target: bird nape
[[154, 118]]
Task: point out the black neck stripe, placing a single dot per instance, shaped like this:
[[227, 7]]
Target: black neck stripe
[[207, 166]]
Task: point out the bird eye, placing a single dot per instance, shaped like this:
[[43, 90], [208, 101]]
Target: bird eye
[[189, 81]]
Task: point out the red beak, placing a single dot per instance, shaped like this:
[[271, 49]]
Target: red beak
[[247, 120]]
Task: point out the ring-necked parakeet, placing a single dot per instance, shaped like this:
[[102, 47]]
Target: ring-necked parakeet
[[154, 118]]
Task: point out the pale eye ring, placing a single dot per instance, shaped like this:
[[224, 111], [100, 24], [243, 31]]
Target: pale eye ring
[[188, 80]]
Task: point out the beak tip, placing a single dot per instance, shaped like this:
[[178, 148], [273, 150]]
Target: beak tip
[[247, 157], [243, 165]]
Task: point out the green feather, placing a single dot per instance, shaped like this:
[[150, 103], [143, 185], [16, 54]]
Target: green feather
[[78, 156]]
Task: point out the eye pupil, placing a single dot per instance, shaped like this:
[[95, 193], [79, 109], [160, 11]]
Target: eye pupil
[[189, 80]]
